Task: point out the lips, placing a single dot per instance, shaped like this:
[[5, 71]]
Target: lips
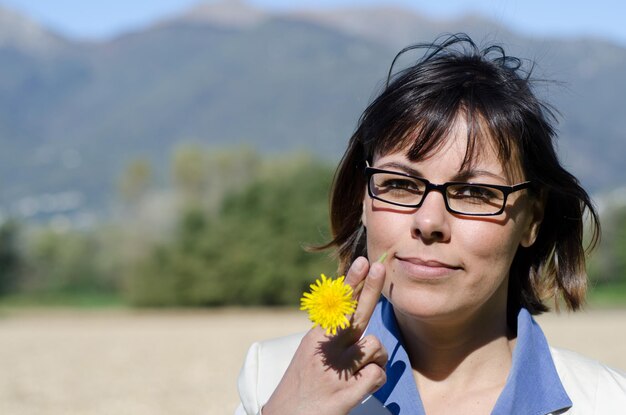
[[426, 269]]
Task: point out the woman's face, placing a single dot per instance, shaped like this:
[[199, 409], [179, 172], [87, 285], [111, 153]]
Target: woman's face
[[442, 265]]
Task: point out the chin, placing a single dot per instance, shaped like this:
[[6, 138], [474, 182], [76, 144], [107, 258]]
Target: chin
[[422, 304]]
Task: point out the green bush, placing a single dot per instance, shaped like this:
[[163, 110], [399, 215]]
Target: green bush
[[10, 257], [608, 263], [251, 252], [67, 263]]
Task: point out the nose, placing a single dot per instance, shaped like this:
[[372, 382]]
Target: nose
[[431, 219]]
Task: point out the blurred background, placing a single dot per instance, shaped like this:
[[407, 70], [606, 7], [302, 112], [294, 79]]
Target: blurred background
[[159, 158]]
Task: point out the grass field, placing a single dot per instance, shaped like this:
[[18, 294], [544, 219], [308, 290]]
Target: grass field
[[117, 361]]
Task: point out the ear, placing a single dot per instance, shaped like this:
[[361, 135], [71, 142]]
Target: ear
[[363, 207], [534, 222]]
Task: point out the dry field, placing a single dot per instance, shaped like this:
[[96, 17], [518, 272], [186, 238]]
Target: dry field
[[55, 362]]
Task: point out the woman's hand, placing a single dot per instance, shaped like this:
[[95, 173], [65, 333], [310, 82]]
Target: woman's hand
[[332, 375]]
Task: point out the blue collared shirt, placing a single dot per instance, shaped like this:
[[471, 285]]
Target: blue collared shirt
[[533, 386]]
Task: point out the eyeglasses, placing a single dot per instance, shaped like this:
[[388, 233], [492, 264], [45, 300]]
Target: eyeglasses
[[474, 199]]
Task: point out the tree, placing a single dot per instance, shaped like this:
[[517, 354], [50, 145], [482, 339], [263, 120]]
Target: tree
[[67, 262], [608, 263], [10, 256], [251, 251], [189, 172], [203, 176], [135, 181]]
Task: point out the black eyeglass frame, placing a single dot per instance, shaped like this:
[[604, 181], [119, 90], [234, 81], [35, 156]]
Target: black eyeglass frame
[[442, 188]]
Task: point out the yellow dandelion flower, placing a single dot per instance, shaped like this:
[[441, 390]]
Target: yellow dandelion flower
[[328, 304]]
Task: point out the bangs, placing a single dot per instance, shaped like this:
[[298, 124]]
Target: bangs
[[423, 130]]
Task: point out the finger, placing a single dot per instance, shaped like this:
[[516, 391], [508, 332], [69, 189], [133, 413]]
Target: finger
[[359, 287], [369, 379], [368, 298], [380, 357], [357, 273], [367, 350]]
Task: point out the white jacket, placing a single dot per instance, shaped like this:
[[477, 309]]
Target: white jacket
[[594, 389]]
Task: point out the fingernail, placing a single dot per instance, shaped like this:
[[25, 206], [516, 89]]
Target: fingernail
[[359, 264], [382, 257], [376, 270]]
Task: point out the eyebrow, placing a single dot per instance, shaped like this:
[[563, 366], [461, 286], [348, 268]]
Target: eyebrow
[[466, 175], [400, 166], [462, 176]]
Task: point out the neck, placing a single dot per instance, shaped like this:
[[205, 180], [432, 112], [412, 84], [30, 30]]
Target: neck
[[472, 346]]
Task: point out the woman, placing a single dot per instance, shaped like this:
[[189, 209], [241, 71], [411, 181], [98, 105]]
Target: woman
[[452, 174]]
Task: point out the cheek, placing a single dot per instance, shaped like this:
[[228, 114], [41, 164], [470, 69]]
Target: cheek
[[384, 229], [488, 248]]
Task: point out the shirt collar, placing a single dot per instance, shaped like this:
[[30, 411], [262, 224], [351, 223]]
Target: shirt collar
[[532, 387]]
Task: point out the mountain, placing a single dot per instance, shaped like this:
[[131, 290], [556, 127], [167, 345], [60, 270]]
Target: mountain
[[20, 32], [72, 114]]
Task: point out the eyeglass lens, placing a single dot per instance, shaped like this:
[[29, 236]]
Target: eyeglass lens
[[462, 198]]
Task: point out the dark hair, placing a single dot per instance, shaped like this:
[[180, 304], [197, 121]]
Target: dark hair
[[493, 92]]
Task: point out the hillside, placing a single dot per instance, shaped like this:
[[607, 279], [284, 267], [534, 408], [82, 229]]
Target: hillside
[[72, 113]]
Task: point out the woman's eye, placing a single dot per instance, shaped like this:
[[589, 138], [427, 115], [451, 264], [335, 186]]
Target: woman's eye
[[478, 193], [400, 185]]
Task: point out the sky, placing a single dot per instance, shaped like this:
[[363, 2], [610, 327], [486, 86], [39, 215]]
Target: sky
[[102, 19]]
